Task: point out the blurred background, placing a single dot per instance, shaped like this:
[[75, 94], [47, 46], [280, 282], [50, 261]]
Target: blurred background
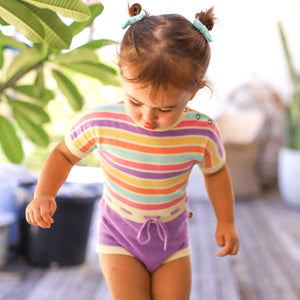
[[254, 93]]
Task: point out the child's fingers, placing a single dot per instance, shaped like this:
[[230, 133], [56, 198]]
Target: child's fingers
[[30, 215], [235, 248], [40, 214], [52, 207], [39, 220], [231, 248], [220, 240], [45, 217], [29, 218], [227, 250]]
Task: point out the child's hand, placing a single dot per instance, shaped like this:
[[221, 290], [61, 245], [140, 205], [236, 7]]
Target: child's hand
[[40, 211], [227, 237]]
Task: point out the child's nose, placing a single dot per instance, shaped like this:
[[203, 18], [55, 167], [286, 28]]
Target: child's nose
[[149, 114]]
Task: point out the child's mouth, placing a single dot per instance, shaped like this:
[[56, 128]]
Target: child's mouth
[[151, 127]]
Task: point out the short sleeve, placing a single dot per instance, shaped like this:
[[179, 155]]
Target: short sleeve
[[214, 152], [81, 138]]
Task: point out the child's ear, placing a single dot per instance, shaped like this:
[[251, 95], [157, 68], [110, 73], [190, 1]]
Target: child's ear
[[202, 85]]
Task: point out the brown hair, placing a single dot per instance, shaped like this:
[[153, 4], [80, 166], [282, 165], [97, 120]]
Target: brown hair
[[166, 51]]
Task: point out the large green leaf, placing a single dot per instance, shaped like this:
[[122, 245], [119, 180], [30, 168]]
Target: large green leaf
[[57, 33], [69, 90], [34, 132], [3, 23], [23, 61], [74, 9], [77, 55], [31, 92], [10, 41], [21, 17], [10, 142], [35, 113], [1, 56], [96, 10], [104, 73], [97, 44], [39, 83]]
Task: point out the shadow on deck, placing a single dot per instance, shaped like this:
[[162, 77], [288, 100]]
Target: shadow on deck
[[267, 266]]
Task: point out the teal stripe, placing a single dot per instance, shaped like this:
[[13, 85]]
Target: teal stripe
[[153, 158], [194, 115]]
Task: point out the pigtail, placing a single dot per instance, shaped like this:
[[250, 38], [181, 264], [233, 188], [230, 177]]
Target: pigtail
[[207, 18], [135, 10], [166, 51]]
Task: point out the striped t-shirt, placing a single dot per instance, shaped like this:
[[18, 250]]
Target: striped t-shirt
[[146, 171]]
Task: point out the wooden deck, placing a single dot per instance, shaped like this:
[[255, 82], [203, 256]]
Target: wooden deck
[[267, 266]]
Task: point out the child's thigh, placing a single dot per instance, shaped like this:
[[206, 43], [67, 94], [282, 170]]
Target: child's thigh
[[126, 277], [172, 280]]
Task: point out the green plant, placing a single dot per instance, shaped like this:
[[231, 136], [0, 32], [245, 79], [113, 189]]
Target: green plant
[[292, 123], [23, 106]]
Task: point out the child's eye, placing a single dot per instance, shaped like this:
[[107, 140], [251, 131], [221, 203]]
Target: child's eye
[[165, 110], [134, 103]]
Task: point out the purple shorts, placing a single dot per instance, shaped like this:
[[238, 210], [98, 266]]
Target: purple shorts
[[153, 242]]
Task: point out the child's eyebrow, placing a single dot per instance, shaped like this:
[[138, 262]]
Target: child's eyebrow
[[164, 107], [132, 98]]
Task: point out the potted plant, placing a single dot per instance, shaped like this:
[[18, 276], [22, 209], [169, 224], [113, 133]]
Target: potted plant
[[289, 155], [24, 93], [27, 64]]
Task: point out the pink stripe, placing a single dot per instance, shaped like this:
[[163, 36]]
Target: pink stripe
[[144, 206], [197, 123]]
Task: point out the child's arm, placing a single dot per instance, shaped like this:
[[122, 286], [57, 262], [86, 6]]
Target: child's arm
[[54, 173], [220, 193]]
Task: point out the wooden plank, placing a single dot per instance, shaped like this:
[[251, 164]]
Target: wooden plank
[[203, 284], [265, 254], [18, 289], [284, 245], [212, 276], [242, 266], [259, 255], [267, 267], [67, 283]]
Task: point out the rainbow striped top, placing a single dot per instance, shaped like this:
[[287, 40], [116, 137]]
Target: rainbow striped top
[[146, 171]]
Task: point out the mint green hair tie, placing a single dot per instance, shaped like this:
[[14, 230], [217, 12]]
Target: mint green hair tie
[[134, 19], [203, 29]]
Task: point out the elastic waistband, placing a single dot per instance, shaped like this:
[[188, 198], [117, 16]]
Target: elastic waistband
[[141, 216]]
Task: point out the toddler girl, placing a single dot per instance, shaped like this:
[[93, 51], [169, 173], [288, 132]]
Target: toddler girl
[[148, 144]]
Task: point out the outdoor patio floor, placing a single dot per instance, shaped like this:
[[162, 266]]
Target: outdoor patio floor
[[266, 268]]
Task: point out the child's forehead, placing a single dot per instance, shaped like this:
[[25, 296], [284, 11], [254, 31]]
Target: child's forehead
[[155, 98]]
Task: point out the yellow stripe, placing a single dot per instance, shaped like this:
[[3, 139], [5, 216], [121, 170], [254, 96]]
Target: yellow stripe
[[153, 141], [214, 151]]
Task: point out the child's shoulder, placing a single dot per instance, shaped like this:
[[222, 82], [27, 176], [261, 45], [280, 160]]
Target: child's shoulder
[[192, 114], [101, 112]]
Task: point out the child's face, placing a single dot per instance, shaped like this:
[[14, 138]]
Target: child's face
[[158, 112]]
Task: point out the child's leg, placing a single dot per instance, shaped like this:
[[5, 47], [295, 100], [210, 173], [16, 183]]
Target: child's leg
[[172, 280], [126, 277]]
